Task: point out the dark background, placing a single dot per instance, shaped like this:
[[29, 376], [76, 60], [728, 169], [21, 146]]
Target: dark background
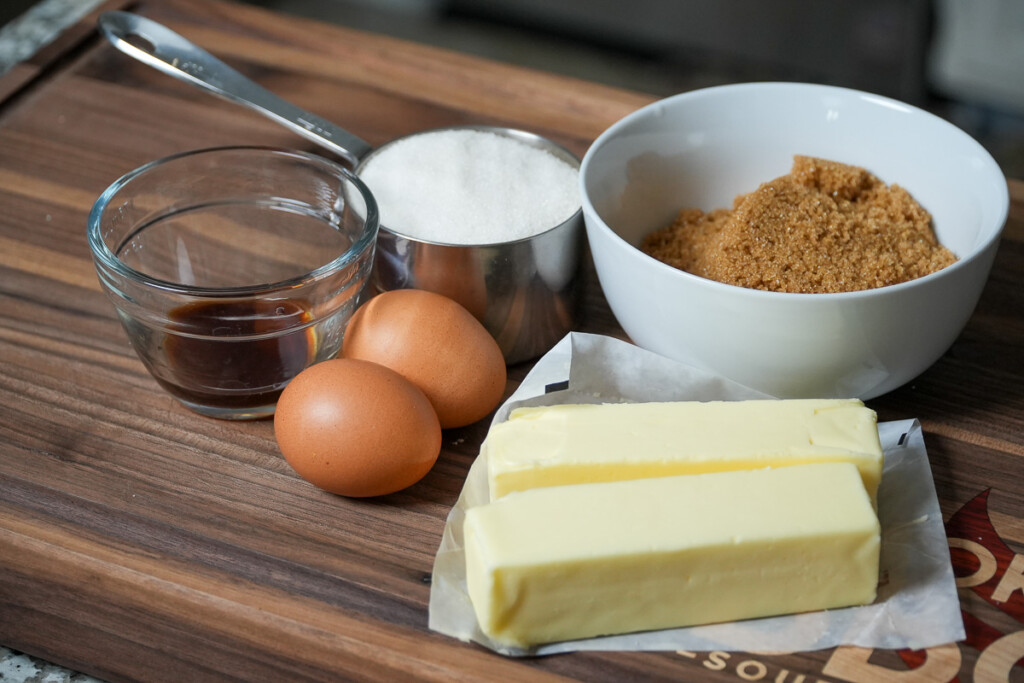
[[962, 59]]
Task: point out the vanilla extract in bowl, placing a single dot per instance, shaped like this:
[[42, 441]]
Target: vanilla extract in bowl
[[234, 354], [232, 269]]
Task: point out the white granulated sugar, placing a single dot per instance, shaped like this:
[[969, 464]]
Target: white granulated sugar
[[470, 187]]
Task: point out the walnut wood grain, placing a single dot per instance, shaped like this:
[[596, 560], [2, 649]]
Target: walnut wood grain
[[139, 541]]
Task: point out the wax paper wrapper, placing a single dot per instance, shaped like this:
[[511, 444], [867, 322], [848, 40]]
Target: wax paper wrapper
[[917, 604]]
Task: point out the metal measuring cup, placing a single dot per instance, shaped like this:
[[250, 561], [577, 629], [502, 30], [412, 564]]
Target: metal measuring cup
[[524, 291]]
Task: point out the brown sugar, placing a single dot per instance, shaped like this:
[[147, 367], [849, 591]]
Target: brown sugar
[[825, 227]]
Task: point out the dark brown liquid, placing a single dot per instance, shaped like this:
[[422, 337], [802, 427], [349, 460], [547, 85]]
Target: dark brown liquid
[[223, 369]]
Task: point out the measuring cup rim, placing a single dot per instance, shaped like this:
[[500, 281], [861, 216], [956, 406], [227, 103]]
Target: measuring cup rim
[[514, 133], [102, 252]]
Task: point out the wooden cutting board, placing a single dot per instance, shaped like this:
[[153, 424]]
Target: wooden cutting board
[[138, 541]]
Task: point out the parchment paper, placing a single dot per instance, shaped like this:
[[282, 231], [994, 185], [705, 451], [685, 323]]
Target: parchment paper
[[917, 604]]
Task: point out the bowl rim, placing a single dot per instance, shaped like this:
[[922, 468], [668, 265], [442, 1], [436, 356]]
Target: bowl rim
[[106, 258], [962, 262]]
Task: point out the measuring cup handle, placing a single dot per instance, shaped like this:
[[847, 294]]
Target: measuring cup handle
[[163, 49]]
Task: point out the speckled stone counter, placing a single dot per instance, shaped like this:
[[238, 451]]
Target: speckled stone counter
[[23, 36], [16, 667]]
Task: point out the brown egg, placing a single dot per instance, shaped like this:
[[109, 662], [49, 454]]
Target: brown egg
[[356, 428], [437, 345]]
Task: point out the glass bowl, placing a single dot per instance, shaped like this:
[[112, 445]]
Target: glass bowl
[[233, 269]]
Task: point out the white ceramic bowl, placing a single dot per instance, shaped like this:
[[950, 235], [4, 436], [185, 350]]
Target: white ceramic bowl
[[701, 149]]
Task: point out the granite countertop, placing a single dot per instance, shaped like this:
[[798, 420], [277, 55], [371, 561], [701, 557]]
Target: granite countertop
[[44, 21], [16, 667]]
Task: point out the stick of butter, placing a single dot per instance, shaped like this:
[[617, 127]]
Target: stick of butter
[[572, 444], [570, 562]]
